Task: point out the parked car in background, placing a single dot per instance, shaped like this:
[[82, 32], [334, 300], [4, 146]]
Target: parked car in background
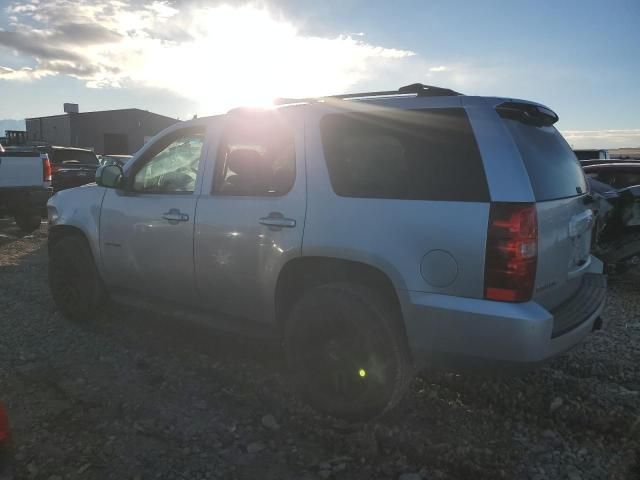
[[25, 186], [71, 167], [616, 234], [114, 159], [590, 155], [5, 438], [404, 261], [617, 174]]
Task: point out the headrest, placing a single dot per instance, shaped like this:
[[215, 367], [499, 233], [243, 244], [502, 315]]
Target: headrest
[[244, 161]]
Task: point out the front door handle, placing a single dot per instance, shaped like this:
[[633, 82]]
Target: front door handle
[[175, 215], [276, 220]]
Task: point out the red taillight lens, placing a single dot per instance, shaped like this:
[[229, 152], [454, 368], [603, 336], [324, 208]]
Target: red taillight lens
[[46, 168], [4, 425], [512, 252]]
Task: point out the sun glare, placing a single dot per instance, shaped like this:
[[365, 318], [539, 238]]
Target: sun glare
[[246, 56], [218, 57]]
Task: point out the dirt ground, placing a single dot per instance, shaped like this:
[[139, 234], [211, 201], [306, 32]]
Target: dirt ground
[[132, 396]]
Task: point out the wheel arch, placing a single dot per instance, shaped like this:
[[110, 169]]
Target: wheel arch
[[56, 232], [302, 273]]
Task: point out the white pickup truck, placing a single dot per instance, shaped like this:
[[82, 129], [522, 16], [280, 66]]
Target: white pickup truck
[[25, 186]]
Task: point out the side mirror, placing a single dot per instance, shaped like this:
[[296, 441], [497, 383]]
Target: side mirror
[[109, 176]]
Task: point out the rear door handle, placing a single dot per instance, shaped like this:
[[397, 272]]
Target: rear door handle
[[277, 220], [175, 215]]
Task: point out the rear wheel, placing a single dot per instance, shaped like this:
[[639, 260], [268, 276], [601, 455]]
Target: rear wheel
[[28, 221], [74, 281], [347, 351]]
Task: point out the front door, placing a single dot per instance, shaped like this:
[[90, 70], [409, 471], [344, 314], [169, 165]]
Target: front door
[[146, 228], [250, 220]]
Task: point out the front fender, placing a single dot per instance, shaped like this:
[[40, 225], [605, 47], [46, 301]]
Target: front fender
[[79, 209]]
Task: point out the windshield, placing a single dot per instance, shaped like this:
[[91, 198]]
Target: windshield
[[74, 156], [553, 168]]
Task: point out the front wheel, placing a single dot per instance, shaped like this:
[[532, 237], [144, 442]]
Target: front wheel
[[28, 221], [347, 351], [74, 281]]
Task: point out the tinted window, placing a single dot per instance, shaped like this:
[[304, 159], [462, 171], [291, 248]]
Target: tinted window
[[74, 156], [553, 168], [256, 157], [171, 166], [622, 180], [419, 155]]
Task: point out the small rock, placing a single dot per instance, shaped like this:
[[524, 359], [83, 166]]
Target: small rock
[[84, 468], [269, 421], [555, 404], [32, 469], [574, 475], [255, 447], [363, 444], [410, 476], [339, 467], [324, 473]]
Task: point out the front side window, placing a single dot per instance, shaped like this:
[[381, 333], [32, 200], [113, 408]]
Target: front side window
[[172, 166], [256, 157]]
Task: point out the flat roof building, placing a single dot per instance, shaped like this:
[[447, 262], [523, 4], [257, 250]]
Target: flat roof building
[[115, 132]]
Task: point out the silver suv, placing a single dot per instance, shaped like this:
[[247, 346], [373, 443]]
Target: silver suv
[[374, 233]]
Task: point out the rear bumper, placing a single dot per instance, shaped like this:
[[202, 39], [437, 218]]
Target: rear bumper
[[463, 333], [15, 199]]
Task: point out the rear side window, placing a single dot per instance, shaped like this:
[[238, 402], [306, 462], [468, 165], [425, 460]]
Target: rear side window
[[404, 154], [554, 170]]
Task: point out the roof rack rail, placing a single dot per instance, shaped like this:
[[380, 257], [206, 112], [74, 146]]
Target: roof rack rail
[[417, 89]]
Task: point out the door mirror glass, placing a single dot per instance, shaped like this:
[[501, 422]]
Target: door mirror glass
[[109, 176]]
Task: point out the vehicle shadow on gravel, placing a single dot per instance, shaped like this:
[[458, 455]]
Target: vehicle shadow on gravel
[[10, 233]]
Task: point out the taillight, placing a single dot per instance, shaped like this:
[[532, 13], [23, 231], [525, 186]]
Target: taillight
[[46, 168], [4, 425], [512, 252]]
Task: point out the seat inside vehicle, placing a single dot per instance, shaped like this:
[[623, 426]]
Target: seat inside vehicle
[[251, 173]]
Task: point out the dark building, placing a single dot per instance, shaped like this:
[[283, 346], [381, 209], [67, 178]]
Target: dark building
[[108, 132]]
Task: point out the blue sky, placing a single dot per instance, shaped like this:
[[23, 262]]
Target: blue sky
[[178, 59]]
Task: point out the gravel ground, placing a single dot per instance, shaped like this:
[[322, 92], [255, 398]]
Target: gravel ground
[[129, 396]]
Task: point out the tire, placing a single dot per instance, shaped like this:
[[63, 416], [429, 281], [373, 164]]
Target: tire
[[28, 221], [347, 351], [74, 281]]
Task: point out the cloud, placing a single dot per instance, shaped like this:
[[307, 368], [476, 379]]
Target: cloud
[[25, 73], [218, 55], [441, 68], [603, 138]]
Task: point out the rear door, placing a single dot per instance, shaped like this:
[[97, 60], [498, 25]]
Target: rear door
[[250, 217], [564, 219]]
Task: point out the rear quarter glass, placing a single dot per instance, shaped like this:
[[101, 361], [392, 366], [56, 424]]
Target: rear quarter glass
[[428, 154], [553, 168]]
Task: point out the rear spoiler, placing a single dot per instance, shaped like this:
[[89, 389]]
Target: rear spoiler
[[527, 113]]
